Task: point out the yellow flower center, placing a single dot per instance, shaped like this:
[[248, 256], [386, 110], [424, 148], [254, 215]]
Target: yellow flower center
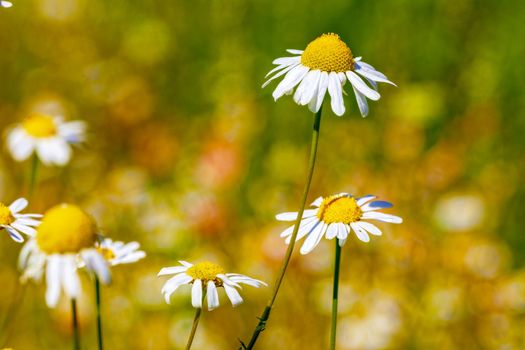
[[65, 228], [107, 253], [205, 271], [6, 217], [40, 125], [328, 53], [339, 208]]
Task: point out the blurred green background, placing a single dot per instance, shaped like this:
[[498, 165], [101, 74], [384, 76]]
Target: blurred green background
[[187, 155]]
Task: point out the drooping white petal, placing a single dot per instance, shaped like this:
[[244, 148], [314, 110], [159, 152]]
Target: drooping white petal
[[361, 86], [373, 229], [173, 283], [233, 295], [336, 94], [362, 103], [196, 294], [320, 93], [96, 264], [24, 229], [17, 237], [53, 280], [70, 279], [20, 144], [213, 296], [282, 72], [292, 78], [360, 233], [374, 76], [313, 239], [332, 231]]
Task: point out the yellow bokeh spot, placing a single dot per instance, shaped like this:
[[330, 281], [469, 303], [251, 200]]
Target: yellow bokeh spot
[[6, 217], [205, 271], [328, 53], [339, 209], [40, 125], [65, 228]]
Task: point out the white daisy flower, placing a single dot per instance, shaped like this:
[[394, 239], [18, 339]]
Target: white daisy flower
[[65, 240], [117, 253], [6, 4], [325, 65], [16, 223], [205, 277], [50, 137], [335, 217]]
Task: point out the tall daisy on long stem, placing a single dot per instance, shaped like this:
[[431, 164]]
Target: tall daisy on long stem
[[337, 216], [65, 240], [324, 66], [115, 253], [205, 278]]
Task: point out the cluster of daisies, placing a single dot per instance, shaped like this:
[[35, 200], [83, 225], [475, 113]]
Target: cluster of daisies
[[66, 239]]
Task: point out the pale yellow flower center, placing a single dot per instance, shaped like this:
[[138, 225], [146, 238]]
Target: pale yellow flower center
[[328, 53], [66, 228], [40, 125], [6, 217], [107, 253], [205, 271], [339, 209]]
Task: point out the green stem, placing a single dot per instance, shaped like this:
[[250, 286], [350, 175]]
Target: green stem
[[74, 324], [99, 316], [196, 320], [335, 298], [311, 165], [33, 176]]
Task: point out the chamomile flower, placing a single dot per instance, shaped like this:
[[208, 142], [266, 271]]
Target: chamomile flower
[[325, 65], [65, 240], [49, 136], [16, 223], [335, 217], [116, 252], [205, 277]]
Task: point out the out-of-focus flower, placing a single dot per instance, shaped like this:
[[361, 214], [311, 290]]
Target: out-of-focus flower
[[337, 216], [116, 252], [209, 276], [6, 4], [15, 223], [65, 239], [460, 212], [326, 64], [49, 136]]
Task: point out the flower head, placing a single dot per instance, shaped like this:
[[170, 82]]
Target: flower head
[[116, 252], [335, 217], [205, 277], [49, 136], [325, 65], [64, 242], [16, 223]]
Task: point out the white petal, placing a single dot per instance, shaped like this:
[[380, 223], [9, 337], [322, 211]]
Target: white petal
[[362, 103], [196, 294], [18, 205], [372, 75], [185, 263], [284, 71], [24, 229], [374, 215], [53, 280], [70, 279], [361, 86], [171, 270], [213, 296], [96, 264], [332, 231], [15, 235], [360, 233], [233, 295], [173, 283], [295, 52], [20, 144], [373, 229], [313, 239], [376, 205], [364, 199], [336, 94], [292, 216], [286, 60], [342, 231], [292, 78]]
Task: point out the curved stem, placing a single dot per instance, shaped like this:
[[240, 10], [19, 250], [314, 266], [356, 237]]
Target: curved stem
[[99, 316], [311, 165], [335, 297], [194, 327], [74, 325]]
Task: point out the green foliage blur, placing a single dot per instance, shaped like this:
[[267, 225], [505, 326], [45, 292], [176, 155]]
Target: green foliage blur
[[189, 156]]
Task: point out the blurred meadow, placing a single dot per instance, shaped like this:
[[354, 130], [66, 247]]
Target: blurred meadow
[[189, 156]]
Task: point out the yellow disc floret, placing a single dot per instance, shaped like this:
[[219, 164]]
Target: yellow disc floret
[[205, 271], [107, 253], [6, 217], [328, 53], [339, 209], [40, 125], [65, 228]]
